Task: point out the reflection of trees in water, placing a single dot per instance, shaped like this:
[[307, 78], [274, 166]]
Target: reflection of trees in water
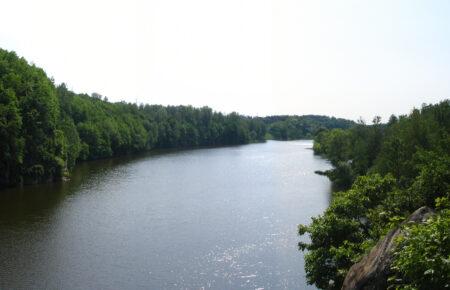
[[27, 203], [23, 204]]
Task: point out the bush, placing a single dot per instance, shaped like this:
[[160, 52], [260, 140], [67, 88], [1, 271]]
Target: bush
[[422, 258]]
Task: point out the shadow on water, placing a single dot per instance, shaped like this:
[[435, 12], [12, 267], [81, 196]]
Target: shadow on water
[[22, 204]]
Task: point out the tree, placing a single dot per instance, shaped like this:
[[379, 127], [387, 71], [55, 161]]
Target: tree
[[11, 143], [396, 168]]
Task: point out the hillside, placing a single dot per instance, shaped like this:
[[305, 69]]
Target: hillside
[[46, 129], [384, 173], [285, 127]]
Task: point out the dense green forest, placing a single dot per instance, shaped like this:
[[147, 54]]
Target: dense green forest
[[383, 173], [45, 129], [302, 127]]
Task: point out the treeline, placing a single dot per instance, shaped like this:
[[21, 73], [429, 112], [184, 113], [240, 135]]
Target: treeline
[[45, 130], [302, 127], [385, 172], [107, 129]]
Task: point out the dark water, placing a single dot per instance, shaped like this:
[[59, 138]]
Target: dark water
[[221, 218]]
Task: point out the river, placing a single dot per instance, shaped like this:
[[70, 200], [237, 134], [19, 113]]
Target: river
[[220, 218]]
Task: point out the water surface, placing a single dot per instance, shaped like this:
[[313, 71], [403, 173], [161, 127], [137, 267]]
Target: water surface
[[222, 218]]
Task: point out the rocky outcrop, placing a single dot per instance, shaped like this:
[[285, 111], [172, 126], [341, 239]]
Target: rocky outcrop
[[372, 271]]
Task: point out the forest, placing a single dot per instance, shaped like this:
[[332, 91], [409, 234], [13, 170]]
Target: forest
[[45, 129], [302, 127], [382, 173]]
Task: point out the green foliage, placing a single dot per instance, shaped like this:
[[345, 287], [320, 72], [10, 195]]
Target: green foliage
[[352, 152], [11, 142], [71, 141], [342, 234], [422, 259], [45, 131], [433, 180], [390, 171], [30, 113], [397, 147], [302, 127], [334, 144]]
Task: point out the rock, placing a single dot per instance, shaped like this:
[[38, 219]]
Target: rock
[[372, 271]]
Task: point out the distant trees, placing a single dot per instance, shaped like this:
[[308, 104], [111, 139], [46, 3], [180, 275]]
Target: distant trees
[[302, 127], [108, 129], [386, 172]]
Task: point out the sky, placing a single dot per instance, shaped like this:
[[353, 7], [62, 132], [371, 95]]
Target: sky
[[349, 58]]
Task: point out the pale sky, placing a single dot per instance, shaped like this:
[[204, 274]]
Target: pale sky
[[257, 57]]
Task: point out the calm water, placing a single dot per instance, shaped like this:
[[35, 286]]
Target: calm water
[[221, 218]]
